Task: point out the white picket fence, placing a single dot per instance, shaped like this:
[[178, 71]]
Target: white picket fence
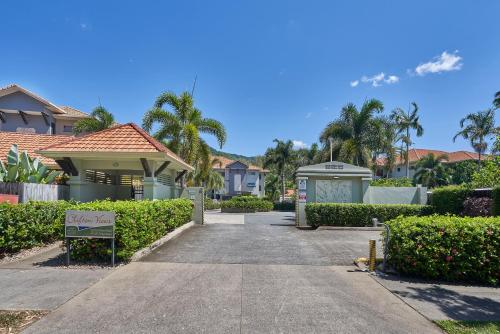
[[35, 192]]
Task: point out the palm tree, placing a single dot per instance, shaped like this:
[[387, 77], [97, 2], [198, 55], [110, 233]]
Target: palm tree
[[181, 127], [272, 186], [496, 101], [280, 157], [407, 121], [431, 172], [385, 142], [352, 132], [205, 175], [476, 128], [99, 119]]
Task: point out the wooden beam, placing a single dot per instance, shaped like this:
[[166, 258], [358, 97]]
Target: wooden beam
[[45, 117], [162, 168], [23, 116], [145, 166], [180, 175], [67, 166]]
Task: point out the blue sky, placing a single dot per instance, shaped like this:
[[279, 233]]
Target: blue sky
[[266, 69]]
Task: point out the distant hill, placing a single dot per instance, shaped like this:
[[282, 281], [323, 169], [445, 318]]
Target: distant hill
[[255, 160]]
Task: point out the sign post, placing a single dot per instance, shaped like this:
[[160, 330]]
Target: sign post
[[90, 224]]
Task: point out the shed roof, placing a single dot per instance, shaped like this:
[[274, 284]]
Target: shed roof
[[334, 168]]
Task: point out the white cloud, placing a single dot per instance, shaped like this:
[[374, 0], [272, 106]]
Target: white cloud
[[444, 63], [298, 144], [377, 80], [309, 114], [354, 83]]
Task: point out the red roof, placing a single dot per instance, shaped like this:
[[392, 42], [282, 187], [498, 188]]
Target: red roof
[[415, 154], [30, 143]]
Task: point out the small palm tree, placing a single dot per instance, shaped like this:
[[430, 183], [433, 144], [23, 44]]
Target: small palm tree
[[100, 119], [351, 134], [280, 157], [496, 101], [407, 121], [476, 128], [431, 172], [272, 186], [181, 127]]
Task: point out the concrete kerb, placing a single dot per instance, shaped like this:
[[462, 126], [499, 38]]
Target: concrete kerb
[[351, 228], [147, 250]]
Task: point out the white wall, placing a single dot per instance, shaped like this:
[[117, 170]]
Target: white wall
[[395, 195]]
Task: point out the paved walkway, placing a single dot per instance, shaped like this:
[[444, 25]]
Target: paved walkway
[[263, 276], [40, 283]]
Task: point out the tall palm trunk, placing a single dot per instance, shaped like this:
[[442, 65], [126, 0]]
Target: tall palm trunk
[[283, 185], [479, 152], [408, 153]]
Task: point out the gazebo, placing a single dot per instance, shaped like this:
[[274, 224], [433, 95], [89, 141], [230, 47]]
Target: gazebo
[[122, 162]]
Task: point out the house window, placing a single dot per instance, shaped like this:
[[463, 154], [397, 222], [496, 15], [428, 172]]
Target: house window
[[53, 128], [68, 128], [399, 169]]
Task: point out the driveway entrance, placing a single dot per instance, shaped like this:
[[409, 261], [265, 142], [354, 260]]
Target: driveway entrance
[[262, 276]]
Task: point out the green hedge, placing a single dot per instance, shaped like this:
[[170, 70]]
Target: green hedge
[[30, 224], [247, 204], [357, 214], [496, 201], [447, 247], [284, 206], [211, 204], [392, 182], [138, 224], [449, 199]]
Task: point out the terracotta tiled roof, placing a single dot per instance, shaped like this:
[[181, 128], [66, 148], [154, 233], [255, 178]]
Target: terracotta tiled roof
[[29, 142], [122, 138], [415, 154], [72, 112], [224, 162]]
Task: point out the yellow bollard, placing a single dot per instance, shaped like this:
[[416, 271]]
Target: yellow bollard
[[373, 255]]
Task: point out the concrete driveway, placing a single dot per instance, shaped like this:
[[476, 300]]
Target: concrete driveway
[[263, 276]]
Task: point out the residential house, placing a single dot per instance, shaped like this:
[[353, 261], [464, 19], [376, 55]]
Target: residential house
[[24, 111], [240, 178], [414, 155]]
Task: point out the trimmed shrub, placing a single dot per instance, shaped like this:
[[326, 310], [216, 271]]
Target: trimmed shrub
[[496, 201], [31, 224], [246, 204], [284, 206], [449, 199], [390, 182], [477, 207], [450, 248], [138, 224], [211, 204], [357, 214]]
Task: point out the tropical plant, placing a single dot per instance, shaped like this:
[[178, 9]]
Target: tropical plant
[[477, 128], [180, 128], [280, 157], [272, 186], [405, 122], [488, 176], [352, 133], [308, 156], [385, 138], [21, 168], [431, 172], [496, 101], [100, 119], [206, 176], [461, 172]]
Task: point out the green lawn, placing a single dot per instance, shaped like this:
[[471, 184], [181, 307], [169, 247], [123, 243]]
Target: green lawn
[[469, 327], [16, 321]]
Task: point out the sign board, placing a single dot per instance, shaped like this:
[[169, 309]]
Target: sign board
[[302, 197], [302, 184], [334, 166], [90, 224]]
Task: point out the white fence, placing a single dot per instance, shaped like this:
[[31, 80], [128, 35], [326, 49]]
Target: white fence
[[35, 191]]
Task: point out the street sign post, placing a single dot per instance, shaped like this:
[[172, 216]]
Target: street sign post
[[90, 224]]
